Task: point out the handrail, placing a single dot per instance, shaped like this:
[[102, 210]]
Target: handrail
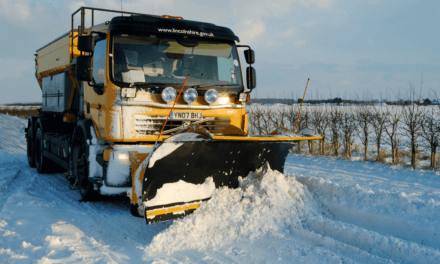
[[93, 9]]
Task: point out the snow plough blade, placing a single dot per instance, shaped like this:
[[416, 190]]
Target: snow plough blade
[[185, 170]]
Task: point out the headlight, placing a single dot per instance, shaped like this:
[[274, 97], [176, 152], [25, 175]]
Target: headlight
[[168, 94], [224, 100], [122, 156], [211, 96], [190, 95]]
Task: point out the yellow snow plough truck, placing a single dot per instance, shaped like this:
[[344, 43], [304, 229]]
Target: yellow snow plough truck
[[148, 106]]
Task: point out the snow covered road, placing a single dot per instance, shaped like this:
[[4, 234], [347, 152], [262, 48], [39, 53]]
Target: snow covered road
[[322, 210]]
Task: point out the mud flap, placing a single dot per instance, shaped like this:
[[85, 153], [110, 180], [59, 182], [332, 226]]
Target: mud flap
[[183, 173]]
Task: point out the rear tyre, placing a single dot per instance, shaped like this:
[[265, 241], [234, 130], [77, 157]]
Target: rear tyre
[[41, 163], [30, 146], [81, 170]]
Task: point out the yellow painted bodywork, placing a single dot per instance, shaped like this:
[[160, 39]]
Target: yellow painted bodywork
[[55, 57], [136, 160], [109, 116], [172, 209], [263, 138]]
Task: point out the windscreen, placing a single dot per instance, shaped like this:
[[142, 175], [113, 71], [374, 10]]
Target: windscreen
[[160, 60]]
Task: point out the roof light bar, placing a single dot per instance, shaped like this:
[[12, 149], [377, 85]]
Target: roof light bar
[[175, 17]]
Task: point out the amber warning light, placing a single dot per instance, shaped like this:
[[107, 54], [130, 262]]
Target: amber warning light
[[175, 17], [244, 97]]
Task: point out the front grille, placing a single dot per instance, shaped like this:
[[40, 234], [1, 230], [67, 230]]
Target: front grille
[[151, 125]]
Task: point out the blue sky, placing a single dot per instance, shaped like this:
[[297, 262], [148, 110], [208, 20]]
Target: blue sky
[[351, 49]]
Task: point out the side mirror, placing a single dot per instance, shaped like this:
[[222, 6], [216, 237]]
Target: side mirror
[[86, 43], [251, 78], [84, 69], [249, 56]]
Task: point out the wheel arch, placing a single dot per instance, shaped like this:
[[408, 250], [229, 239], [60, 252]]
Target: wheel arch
[[44, 124], [30, 140], [82, 136], [32, 120], [83, 126]]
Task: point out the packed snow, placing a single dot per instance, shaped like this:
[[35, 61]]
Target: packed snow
[[162, 152], [182, 191], [321, 210]]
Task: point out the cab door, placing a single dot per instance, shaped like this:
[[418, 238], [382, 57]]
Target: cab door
[[94, 92]]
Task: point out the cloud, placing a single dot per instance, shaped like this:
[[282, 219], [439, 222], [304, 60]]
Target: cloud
[[346, 82], [252, 30], [322, 4], [300, 43], [291, 32], [256, 33], [15, 10]]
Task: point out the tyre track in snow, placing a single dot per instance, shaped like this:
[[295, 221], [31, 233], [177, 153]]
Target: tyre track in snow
[[370, 219], [13, 176], [356, 234], [107, 220], [106, 223], [108, 214], [12, 144], [385, 247], [350, 204]]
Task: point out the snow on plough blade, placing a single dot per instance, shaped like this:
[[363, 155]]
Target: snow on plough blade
[[186, 168]]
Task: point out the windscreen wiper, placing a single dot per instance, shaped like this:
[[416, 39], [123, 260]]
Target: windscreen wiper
[[144, 84], [211, 85]]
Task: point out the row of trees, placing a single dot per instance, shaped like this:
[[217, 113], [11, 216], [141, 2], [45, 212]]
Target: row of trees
[[412, 127]]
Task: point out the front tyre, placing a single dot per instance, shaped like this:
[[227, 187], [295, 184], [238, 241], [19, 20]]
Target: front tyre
[[134, 210], [81, 170]]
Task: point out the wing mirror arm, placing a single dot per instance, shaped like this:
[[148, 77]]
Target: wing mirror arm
[[251, 76]]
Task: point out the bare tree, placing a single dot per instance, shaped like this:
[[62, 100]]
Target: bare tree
[[348, 127], [307, 119], [363, 119], [266, 120], [320, 120], [430, 128], [255, 116], [334, 129], [411, 120], [292, 114], [378, 125], [280, 117], [392, 121]]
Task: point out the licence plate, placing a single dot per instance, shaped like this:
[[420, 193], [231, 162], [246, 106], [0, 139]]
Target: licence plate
[[186, 115]]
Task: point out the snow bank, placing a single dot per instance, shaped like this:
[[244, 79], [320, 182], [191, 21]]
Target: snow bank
[[182, 191], [163, 151], [12, 138], [399, 214], [265, 202]]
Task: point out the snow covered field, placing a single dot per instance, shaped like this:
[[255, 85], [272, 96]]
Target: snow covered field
[[322, 210]]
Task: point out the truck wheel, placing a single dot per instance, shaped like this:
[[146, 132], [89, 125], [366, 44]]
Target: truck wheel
[[30, 146], [134, 210], [81, 170], [41, 162]]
